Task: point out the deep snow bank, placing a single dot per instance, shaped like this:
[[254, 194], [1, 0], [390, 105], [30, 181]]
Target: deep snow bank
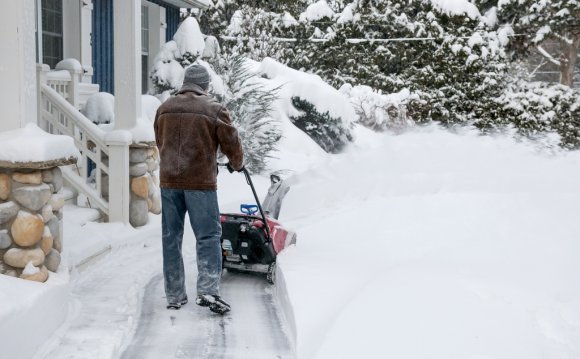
[[435, 245], [30, 312]]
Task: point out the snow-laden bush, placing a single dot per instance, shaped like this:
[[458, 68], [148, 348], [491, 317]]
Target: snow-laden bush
[[535, 108], [100, 108], [378, 111], [327, 131], [169, 65], [250, 105]]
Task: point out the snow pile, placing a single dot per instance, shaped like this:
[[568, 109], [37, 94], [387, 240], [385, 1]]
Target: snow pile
[[30, 269], [297, 151], [30, 312], [188, 38], [348, 15], [308, 87], [31, 144], [378, 111], [100, 109], [458, 8], [463, 243], [70, 64], [317, 11]]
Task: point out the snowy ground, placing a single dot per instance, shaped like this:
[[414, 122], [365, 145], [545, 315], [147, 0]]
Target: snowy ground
[[422, 245], [433, 245]]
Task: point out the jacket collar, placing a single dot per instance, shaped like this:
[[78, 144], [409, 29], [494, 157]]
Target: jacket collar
[[192, 88]]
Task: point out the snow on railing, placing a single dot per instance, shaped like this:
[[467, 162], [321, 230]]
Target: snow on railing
[[61, 118]]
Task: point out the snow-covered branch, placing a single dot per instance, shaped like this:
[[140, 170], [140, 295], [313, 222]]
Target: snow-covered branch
[[547, 55]]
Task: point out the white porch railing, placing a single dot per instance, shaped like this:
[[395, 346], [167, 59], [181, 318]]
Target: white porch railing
[[59, 117], [69, 83]]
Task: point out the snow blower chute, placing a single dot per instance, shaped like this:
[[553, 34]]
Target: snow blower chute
[[251, 240]]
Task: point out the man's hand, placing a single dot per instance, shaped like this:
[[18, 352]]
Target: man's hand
[[232, 170]]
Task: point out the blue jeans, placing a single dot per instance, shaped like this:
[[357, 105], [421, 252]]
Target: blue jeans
[[203, 210]]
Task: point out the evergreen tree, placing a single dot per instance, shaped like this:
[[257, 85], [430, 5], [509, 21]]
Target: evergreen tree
[[328, 132], [535, 22], [250, 106], [450, 60]]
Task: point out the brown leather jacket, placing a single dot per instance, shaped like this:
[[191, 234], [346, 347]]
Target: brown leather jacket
[[189, 127]]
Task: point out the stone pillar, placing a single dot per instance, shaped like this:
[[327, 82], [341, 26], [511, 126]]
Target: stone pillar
[[31, 220], [17, 64], [127, 47], [145, 194]]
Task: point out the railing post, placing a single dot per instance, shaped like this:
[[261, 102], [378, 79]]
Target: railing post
[[41, 70], [119, 189], [73, 95]]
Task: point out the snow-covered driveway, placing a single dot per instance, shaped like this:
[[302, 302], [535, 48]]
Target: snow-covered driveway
[[118, 309], [253, 329]]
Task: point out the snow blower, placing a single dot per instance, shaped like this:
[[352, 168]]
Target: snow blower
[[251, 240]]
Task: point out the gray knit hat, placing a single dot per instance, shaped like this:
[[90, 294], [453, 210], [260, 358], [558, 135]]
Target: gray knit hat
[[198, 75]]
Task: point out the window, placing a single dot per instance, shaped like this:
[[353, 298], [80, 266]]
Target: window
[[144, 49], [52, 51]]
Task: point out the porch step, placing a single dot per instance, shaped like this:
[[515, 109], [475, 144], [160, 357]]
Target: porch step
[[69, 195]]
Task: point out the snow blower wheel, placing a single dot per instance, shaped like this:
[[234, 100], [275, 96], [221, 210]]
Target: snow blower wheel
[[271, 274]]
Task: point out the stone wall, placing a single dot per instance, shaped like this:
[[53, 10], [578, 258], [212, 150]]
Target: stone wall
[[145, 194], [30, 221]]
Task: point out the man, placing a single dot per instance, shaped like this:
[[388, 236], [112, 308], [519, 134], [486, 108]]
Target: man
[[189, 128]]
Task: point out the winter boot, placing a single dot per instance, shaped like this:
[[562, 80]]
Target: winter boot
[[215, 303], [176, 305]]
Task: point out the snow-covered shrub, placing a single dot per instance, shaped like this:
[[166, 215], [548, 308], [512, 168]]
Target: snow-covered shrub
[[327, 131], [378, 111], [250, 105], [169, 65], [100, 108], [535, 108]]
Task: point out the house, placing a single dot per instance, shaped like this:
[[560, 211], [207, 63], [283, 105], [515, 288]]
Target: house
[[106, 45]]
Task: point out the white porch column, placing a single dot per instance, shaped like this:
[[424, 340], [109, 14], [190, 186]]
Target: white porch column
[[77, 28], [17, 64], [86, 44], [119, 188], [127, 49], [71, 29]]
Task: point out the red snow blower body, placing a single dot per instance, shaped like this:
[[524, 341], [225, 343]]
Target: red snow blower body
[[251, 240]]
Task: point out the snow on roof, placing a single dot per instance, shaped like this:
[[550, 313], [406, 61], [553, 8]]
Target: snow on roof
[[31, 144], [457, 7]]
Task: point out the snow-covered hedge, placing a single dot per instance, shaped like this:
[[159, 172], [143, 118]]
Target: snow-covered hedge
[[535, 109]]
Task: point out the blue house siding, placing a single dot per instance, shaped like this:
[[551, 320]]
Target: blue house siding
[[172, 22], [102, 43], [102, 40], [172, 18]]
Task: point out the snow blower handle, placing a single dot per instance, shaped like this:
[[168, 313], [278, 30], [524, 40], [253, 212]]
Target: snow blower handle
[[249, 181]]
